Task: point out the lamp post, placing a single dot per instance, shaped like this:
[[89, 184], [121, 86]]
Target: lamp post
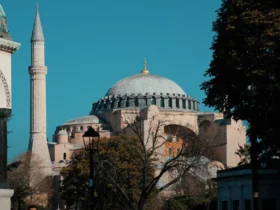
[[89, 138]]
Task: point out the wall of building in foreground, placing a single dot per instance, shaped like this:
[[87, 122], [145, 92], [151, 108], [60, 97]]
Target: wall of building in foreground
[[235, 190]]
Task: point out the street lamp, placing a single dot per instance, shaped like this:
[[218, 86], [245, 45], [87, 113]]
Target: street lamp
[[89, 138]]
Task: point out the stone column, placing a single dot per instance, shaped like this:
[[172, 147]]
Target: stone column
[[4, 115], [5, 192]]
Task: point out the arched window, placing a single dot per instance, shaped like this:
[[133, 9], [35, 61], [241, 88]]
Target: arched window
[[102, 104], [194, 105], [112, 104], [81, 128], [136, 102], [177, 103], [64, 156], [120, 102], [170, 151], [162, 102], [189, 105], [170, 102], [99, 105], [108, 104], [146, 101], [184, 103], [127, 102], [153, 100]]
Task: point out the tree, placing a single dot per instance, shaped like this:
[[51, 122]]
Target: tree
[[21, 174], [244, 153], [18, 184], [140, 167], [246, 53], [115, 159], [172, 149], [244, 77]]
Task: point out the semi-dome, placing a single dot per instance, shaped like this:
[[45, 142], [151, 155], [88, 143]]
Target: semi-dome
[[145, 84], [62, 132], [90, 119], [142, 90]]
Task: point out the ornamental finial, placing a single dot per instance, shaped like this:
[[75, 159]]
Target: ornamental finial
[[145, 70]]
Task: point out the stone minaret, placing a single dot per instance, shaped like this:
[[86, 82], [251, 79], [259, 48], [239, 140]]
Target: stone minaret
[[38, 138]]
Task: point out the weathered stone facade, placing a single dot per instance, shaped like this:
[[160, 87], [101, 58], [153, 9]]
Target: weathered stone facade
[[127, 99]]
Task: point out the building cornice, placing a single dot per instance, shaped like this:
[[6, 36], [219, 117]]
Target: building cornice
[[8, 46]]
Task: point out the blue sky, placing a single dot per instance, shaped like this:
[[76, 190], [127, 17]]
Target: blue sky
[[91, 44]]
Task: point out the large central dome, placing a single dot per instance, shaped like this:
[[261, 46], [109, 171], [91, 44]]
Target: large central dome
[[145, 83], [145, 89]]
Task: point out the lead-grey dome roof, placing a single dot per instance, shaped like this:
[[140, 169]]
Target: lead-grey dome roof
[[143, 90], [90, 119], [143, 84]]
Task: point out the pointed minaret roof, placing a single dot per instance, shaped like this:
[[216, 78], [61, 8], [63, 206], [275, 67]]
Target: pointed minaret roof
[[37, 33]]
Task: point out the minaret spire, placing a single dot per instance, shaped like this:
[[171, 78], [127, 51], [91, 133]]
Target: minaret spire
[[38, 121], [37, 33], [145, 70]]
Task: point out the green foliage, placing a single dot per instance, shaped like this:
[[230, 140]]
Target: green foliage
[[244, 154], [74, 187], [188, 203], [18, 183], [246, 51], [115, 159]]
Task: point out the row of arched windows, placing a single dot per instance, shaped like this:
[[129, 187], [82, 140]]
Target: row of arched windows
[[186, 104]]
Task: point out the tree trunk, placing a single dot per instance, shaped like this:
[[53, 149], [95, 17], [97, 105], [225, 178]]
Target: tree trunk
[[142, 204], [254, 163]]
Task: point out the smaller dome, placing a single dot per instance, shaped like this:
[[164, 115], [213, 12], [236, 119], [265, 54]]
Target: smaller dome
[[90, 119], [62, 132]]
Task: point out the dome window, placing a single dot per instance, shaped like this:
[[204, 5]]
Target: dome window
[[120, 102], [162, 102], [177, 103], [189, 105], [112, 104], [184, 103], [107, 104], [136, 102], [153, 100], [146, 101], [127, 102], [170, 102]]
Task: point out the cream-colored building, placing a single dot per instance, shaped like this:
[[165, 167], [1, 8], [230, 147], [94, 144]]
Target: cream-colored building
[[7, 48], [149, 94]]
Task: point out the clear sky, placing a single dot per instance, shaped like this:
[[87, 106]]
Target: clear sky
[[91, 44]]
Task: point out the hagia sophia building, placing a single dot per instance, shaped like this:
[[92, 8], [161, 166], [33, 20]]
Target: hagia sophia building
[[143, 92], [148, 93]]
